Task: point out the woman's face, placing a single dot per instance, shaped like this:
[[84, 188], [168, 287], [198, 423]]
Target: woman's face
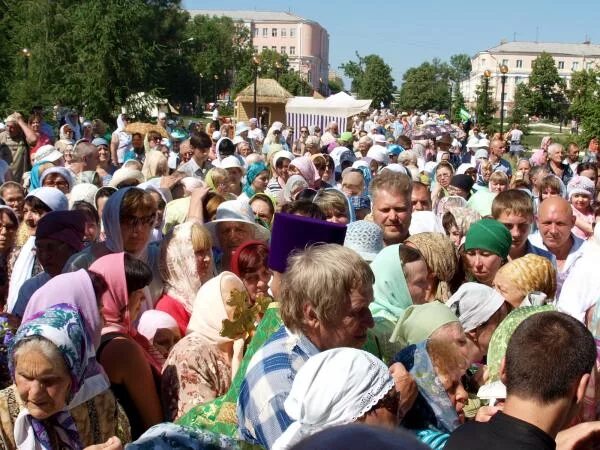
[[103, 154], [458, 395], [511, 292], [260, 182], [443, 176], [8, 232], [35, 125], [68, 153], [31, 217], [57, 181], [417, 281], [283, 171], [524, 166], [256, 281], [235, 175], [42, 384], [591, 174], [483, 265], [134, 304], [244, 149], [293, 170], [455, 235], [203, 264], [262, 211], [336, 216], [135, 231], [549, 192], [497, 187]]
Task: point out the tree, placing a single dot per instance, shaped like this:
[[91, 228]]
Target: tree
[[336, 85], [585, 102], [425, 87], [485, 106], [371, 78], [460, 67], [545, 93], [519, 112], [458, 104]]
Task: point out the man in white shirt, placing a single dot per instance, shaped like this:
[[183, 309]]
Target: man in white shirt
[[199, 164], [255, 133]]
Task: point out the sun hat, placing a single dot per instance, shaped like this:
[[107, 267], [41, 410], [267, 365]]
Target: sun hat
[[365, 238], [379, 139], [216, 135], [124, 174], [473, 142], [240, 128], [474, 304], [481, 154], [231, 162], [47, 153], [484, 143], [395, 149], [580, 185], [236, 211], [379, 154], [490, 235]]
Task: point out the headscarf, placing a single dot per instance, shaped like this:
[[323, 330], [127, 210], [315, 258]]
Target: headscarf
[[210, 311], [474, 304], [537, 158], [489, 235], [34, 175], [390, 291], [62, 171], [440, 255], [307, 169], [62, 325], [153, 320], [253, 171], [76, 289], [334, 387], [433, 407], [292, 184], [419, 322], [83, 192], [341, 155], [62, 134], [580, 185], [178, 265], [115, 299], [425, 222], [154, 162]]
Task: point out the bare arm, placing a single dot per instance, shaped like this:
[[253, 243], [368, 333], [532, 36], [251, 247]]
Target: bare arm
[[114, 144], [196, 201], [30, 135]]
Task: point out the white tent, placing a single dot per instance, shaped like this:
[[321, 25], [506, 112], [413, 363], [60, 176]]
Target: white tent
[[148, 104], [307, 111]]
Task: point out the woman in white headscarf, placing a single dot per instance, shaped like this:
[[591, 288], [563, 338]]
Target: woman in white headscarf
[[338, 387]]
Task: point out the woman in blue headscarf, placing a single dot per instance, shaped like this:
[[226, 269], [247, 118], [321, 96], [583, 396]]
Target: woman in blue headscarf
[[257, 177]]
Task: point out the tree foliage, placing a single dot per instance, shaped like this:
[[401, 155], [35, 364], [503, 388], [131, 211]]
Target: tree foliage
[[584, 95], [426, 87], [485, 106], [458, 103], [336, 85], [460, 67], [544, 94], [371, 78]]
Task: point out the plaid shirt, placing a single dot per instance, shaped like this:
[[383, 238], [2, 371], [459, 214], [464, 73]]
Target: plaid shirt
[[272, 369]]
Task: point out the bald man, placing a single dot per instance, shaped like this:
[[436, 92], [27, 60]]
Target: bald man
[[555, 221], [497, 150]]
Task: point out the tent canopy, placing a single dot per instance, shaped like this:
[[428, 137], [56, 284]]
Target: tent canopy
[[338, 105]]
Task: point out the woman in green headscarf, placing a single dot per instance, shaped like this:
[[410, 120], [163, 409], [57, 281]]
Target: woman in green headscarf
[[400, 280], [257, 177]]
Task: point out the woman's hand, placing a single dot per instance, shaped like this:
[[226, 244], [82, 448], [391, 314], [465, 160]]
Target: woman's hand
[[485, 413], [406, 387], [114, 443]]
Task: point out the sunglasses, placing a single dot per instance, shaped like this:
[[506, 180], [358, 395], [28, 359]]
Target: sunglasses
[[134, 221]]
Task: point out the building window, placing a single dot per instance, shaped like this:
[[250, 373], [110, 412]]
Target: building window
[[273, 32], [519, 63], [292, 50], [283, 32], [283, 50], [505, 62], [588, 65], [265, 32], [482, 62], [292, 32], [256, 30], [561, 64], [274, 48], [264, 47], [575, 66]]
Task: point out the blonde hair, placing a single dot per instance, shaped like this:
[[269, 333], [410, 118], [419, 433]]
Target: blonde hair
[[155, 165], [393, 182], [531, 273], [322, 276], [200, 238], [499, 177], [332, 201]]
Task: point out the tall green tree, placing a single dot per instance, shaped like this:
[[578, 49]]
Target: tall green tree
[[545, 93], [336, 85], [460, 67], [584, 95], [425, 87], [519, 111], [458, 104], [485, 106], [371, 78]]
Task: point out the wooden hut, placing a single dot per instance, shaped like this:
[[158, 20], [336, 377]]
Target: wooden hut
[[270, 96]]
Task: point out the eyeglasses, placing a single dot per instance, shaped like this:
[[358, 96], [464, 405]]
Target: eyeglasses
[[56, 184], [133, 221]]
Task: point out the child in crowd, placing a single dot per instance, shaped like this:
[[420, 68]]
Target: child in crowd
[[498, 182], [581, 192]]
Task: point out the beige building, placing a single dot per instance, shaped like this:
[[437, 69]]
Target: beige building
[[519, 57], [304, 41]]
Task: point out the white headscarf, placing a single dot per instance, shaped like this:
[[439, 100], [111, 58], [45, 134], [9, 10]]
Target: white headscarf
[[332, 388]]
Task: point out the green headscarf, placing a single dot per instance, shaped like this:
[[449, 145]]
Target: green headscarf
[[490, 235], [419, 322], [253, 171]]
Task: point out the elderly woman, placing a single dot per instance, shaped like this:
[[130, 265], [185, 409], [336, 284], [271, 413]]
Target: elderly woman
[[132, 364], [59, 178], [65, 142], [486, 249], [457, 221], [263, 207], [201, 366], [523, 276], [440, 255], [257, 177], [128, 218], [185, 264], [23, 263], [367, 395], [161, 330], [250, 263], [437, 368], [48, 360]]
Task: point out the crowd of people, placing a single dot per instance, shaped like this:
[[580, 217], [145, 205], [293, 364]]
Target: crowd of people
[[405, 283]]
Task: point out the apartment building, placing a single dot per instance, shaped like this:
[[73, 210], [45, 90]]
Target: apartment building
[[304, 41]]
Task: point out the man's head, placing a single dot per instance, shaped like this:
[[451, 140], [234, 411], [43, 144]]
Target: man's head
[[13, 195], [13, 127], [530, 370], [555, 220], [514, 209], [137, 142], [555, 153], [325, 293], [573, 152], [420, 197], [200, 144], [497, 148], [392, 205], [84, 157]]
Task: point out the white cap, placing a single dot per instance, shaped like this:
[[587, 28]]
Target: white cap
[[47, 153], [216, 135], [231, 162], [379, 139]]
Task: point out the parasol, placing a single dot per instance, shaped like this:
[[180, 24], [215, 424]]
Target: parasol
[[143, 128]]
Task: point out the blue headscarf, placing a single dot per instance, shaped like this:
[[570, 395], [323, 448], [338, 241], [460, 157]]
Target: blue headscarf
[[253, 171]]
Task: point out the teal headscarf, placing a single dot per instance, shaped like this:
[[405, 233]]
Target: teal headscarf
[[253, 171]]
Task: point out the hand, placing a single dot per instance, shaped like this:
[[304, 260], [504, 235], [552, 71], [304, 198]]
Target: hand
[[17, 115], [200, 193], [579, 437], [167, 182], [114, 443], [406, 387], [485, 413]]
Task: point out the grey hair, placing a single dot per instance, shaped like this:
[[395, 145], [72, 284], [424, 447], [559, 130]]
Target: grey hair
[[556, 147], [41, 344]]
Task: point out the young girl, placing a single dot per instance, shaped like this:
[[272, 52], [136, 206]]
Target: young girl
[[581, 192], [551, 186], [498, 182]]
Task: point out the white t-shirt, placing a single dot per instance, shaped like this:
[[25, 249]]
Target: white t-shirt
[[515, 135], [215, 114]]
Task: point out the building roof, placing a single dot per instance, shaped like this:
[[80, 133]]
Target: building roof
[[591, 50], [250, 15], [267, 91]]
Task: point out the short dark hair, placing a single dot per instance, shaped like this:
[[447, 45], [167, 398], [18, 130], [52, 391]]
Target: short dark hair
[[532, 370], [137, 273], [200, 140], [91, 214], [587, 166], [304, 208], [37, 205]]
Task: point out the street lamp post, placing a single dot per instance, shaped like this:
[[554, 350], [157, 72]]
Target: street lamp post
[[278, 68], [255, 63], [503, 71], [486, 78]]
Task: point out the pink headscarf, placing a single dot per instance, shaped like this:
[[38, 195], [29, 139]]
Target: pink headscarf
[[307, 169], [537, 158], [115, 299]]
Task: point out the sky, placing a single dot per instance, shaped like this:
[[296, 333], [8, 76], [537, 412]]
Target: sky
[[406, 33]]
